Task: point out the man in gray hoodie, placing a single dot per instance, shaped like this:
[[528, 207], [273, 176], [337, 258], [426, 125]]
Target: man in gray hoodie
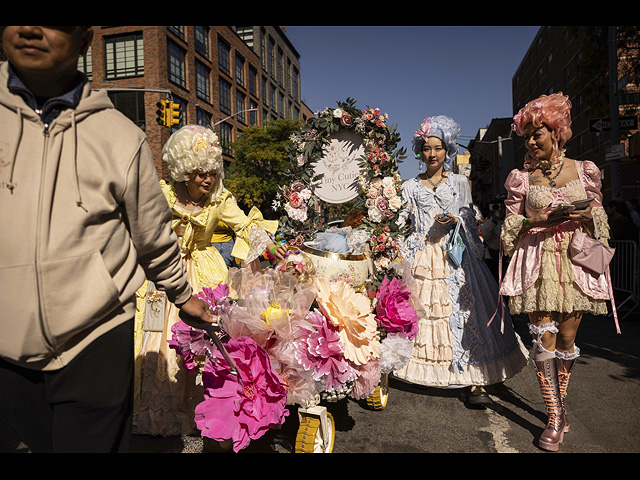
[[84, 221]]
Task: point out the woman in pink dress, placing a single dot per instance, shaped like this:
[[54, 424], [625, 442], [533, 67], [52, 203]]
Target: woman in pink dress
[[541, 280]]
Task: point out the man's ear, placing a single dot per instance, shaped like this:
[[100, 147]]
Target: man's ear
[[87, 38]]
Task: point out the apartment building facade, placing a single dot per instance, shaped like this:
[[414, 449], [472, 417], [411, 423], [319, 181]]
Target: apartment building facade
[[574, 60], [225, 77]]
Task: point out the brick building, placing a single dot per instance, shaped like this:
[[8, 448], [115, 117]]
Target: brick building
[[227, 77], [574, 60]]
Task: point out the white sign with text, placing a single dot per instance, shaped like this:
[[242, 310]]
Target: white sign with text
[[340, 167]]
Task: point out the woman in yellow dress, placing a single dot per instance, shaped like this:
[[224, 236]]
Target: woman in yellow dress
[[168, 393]]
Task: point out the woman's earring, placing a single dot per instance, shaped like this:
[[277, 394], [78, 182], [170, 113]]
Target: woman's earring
[[420, 168]]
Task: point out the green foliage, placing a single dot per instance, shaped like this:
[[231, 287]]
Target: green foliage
[[260, 153]]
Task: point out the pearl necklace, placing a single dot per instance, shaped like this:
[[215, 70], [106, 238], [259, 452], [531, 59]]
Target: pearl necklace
[[435, 185], [194, 203], [552, 179], [557, 165]]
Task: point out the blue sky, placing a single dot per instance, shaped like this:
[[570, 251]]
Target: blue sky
[[413, 72]]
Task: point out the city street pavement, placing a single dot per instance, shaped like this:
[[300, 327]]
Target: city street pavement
[[602, 404]]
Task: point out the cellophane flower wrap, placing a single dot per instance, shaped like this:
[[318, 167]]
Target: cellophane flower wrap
[[241, 407]]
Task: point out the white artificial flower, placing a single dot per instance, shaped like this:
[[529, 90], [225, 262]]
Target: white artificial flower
[[375, 215], [395, 203]]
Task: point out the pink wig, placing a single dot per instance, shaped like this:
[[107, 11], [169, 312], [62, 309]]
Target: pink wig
[[552, 111]]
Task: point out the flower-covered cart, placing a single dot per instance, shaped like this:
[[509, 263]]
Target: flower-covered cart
[[320, 326], [348, 154]]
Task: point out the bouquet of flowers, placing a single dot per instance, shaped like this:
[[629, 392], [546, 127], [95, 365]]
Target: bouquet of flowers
[[293, 337], [244, 396]]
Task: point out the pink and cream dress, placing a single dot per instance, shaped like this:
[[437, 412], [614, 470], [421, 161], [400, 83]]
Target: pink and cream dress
[[540, 276]]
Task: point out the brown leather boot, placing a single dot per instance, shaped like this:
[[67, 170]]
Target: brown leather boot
[[553, 434]]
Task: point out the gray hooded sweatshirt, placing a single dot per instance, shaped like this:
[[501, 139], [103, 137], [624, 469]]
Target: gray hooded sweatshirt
[[83, 221]]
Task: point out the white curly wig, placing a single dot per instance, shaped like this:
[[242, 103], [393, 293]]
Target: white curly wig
[[194, 148]]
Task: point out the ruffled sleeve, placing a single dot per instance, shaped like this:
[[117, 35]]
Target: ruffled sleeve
[[591, 179], [516, 186]]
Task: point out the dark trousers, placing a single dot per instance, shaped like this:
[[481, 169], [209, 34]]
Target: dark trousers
[[83, 407]]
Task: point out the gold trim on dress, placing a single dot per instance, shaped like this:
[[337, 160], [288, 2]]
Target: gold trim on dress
[[332, 255]]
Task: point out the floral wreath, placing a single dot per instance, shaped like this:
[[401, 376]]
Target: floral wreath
[[380, 182]]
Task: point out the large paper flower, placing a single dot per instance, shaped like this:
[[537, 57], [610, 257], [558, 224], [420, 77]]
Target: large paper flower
[[351, 313], [212, 295], [241, 407], [394, 311], [395, 352], [190, 344], [320, 350], [368, 380]]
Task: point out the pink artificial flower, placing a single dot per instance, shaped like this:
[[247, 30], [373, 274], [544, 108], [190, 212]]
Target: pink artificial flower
[[367, 381], [241, 407], [320, 350], [297, 186], [394, 312], [295, 200], [211, 295], [190, 343]]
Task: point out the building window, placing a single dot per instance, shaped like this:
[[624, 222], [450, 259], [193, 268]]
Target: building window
[[85, 64], [272, 97], [176, 64], [177, 30], [253, 80], [225, 97], [271, 53], [224, 60], [124, 56], [246, 34], [203, 118], [131, 104], [253, 114], [202, 82], [239, 69], [240, 107], [202, 41], [296, 84], [265, 98], [225, 138]]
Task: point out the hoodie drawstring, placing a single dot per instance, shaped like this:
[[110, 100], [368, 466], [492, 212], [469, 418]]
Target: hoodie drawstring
[[14, 157], [74, 132]]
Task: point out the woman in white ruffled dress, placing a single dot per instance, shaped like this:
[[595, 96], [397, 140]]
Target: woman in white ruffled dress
[[456, 346]]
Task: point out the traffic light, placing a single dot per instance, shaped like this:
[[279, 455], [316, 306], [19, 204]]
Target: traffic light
[[163, 112], [173, 115]]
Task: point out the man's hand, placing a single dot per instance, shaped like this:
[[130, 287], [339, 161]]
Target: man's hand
[[196, 313]]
